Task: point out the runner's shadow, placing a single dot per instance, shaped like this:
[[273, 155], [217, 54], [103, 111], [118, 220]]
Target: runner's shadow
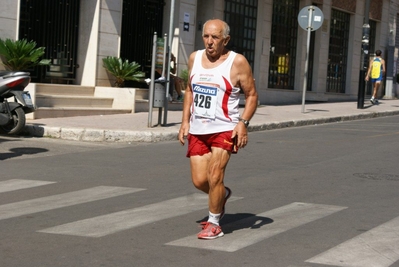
[[238, 221]]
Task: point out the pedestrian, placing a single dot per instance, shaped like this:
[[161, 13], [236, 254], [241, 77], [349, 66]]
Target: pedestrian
[[211, 121], [175, 81], [377, 71]]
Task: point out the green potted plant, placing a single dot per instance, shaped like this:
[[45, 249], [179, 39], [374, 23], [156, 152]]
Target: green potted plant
[[184, 76], [21, 55], [123, 70]]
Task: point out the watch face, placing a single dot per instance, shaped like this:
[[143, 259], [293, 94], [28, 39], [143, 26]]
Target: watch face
[[246, 123]]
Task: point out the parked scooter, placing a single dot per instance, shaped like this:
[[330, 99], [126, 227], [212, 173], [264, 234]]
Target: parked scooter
[[12, 113]]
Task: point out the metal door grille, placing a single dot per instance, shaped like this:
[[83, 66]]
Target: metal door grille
[[53, 25], [283, 44], [241, 17], [140, 19], [338, 51]]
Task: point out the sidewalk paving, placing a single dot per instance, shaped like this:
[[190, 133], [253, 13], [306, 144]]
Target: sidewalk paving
[[134, 127]]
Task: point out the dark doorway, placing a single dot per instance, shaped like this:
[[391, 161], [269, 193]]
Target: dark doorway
[[283, 44], [53, 25], [140, 19]]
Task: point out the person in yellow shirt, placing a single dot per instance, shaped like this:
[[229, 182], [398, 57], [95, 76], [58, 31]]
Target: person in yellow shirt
[[376, 72]]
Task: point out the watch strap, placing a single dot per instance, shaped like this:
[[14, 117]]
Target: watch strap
[[246, 122]]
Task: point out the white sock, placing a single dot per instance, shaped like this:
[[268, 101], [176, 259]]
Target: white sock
[[214, 218]]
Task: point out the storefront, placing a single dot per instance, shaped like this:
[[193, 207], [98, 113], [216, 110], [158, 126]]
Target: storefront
[[265, 31]]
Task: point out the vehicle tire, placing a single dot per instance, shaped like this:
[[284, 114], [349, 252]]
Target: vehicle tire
[[17, 124]]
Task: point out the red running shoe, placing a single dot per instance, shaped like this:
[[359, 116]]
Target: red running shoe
[[210, 231]]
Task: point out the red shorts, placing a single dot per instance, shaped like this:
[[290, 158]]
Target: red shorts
[[201, 144]]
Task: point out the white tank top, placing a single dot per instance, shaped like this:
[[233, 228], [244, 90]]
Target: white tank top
[[215, 100]]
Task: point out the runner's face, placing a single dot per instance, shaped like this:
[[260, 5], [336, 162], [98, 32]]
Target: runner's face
[[213, 39]]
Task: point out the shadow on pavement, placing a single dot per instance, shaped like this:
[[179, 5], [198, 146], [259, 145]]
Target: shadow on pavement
[[20, 151]]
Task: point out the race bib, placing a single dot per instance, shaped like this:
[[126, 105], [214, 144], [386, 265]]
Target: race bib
[[205, 100]]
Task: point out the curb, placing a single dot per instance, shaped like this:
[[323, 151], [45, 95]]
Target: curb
[[98, 135], [309, 122]]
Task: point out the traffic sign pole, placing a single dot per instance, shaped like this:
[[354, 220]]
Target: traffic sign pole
[[310, 18], [305, 78]]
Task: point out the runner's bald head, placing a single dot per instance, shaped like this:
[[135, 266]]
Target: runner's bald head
[[223, 24]]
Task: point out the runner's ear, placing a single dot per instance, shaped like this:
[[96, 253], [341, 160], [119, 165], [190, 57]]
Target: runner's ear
[[226, 40]]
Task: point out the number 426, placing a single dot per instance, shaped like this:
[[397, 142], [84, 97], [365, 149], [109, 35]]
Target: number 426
[[202, 101]]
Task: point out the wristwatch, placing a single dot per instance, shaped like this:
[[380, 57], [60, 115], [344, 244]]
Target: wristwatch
[[246, 123]]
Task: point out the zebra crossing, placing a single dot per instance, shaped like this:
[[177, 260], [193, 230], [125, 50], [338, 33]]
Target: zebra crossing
[[378, 247], [284, 219]]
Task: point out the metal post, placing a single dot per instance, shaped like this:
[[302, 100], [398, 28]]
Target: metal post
[[165, 74], [171, 18], [152, 84], [365, 56], [305, 78]]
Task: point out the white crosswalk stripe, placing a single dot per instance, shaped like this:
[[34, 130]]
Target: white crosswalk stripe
[[378, 247], [284, 219], [123, 220], [17, 184], [62, 200]]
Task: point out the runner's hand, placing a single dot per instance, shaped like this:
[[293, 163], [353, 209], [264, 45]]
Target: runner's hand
[[183, 132], [241, 133]]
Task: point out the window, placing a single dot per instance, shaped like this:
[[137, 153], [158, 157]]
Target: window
[[241, 17], [338, 51], [283, 44], [55, 26]]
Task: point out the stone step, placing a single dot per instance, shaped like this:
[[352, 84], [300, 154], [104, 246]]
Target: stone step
[[72, 101], [45, 112], [59, 89], [142, 94]]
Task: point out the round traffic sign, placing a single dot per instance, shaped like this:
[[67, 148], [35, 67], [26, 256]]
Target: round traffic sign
[[316, 19]]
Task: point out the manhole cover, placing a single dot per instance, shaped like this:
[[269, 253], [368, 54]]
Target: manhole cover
[[377, 176]]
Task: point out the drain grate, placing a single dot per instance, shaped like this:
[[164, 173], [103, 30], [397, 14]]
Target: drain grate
[[377, 176]]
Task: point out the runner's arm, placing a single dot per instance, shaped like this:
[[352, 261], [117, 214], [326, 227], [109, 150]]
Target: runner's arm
[[369, 70], [246, 82], [188, 99], [383, 68]]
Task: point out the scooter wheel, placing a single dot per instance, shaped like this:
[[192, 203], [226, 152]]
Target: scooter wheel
[[17, 124]]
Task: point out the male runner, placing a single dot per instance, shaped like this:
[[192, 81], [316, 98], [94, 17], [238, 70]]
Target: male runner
[[211, 121]]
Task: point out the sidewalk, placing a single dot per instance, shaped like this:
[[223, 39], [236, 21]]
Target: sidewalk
[[134, 127]]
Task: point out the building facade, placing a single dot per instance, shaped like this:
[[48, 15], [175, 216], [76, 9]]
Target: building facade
[[265, 31]]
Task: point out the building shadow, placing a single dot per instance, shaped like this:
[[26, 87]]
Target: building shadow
[[20, 151]]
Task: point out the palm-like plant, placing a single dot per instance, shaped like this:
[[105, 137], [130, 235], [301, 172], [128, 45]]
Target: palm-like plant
[[184, 76], [21, 54], [123, 70]]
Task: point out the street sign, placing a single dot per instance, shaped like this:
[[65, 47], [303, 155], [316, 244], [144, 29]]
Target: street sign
[[310, 18], [316, 15]]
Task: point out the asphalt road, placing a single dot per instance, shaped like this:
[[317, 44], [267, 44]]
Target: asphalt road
[[313, 196]]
